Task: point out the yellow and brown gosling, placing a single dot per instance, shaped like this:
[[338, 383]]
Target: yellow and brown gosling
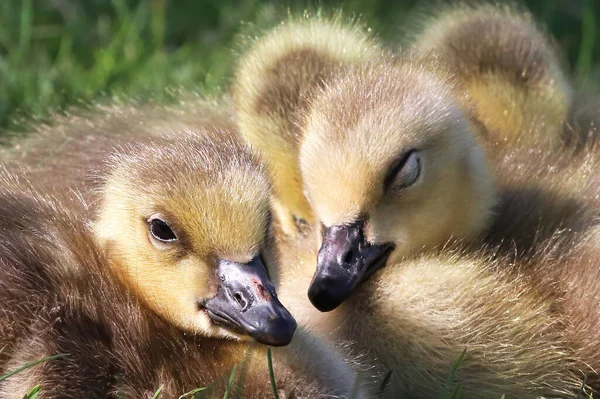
[[166, 287], [415, 316], [391, 165]]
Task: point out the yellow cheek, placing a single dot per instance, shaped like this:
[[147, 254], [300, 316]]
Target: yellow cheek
[[170, 286], [393, 224], [174, 289]]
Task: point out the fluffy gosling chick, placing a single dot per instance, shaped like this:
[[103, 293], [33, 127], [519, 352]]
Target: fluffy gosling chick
[[404, 319], [391, 165], [387, 158], [520, 311], [172, 275], [271, 87], [507, 69]]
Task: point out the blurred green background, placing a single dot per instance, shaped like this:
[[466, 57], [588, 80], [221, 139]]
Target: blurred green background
[[55, 53]]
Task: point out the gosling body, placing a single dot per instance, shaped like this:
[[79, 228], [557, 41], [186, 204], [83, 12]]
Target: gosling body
[[138, 287], [507, 71]]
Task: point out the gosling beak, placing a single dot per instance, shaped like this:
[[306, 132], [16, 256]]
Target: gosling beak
[[345, 260], [246, 303]]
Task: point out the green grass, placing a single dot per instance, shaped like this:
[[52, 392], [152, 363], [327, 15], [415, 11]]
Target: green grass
[[453, 389], [34, 392], [29, 365], [54, 54]]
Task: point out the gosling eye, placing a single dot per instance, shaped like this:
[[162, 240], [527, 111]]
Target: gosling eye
[[404, 172], [160, 230]]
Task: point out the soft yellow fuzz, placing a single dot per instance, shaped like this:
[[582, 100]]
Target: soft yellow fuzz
[[481, 88]]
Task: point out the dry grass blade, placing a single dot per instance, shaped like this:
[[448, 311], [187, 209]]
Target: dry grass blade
[[191, 393]]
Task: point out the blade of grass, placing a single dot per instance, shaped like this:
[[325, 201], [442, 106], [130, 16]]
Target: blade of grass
[[272, 373], [456, 393], [230, 382], [582, 387], [158, 391], [452, 377], [31, 364], [25, 24], [455, 367], [157, 23], [356, 387], [33, 394], [588, 36], [243, 369]]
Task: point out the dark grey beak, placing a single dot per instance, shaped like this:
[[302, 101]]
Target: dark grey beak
[[345, 260], [246, 303]]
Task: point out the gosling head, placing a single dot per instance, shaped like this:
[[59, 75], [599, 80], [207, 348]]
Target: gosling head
[[273, 80], [390, 165], [187, 227]]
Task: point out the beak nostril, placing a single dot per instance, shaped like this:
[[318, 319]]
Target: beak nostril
[[349, 257], [241, 301]]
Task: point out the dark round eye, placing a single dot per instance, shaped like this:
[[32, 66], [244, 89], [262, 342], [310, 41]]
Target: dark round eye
[[404, 172], [161, 230]]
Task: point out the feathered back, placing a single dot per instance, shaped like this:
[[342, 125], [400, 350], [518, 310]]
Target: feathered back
[[508, 70]]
